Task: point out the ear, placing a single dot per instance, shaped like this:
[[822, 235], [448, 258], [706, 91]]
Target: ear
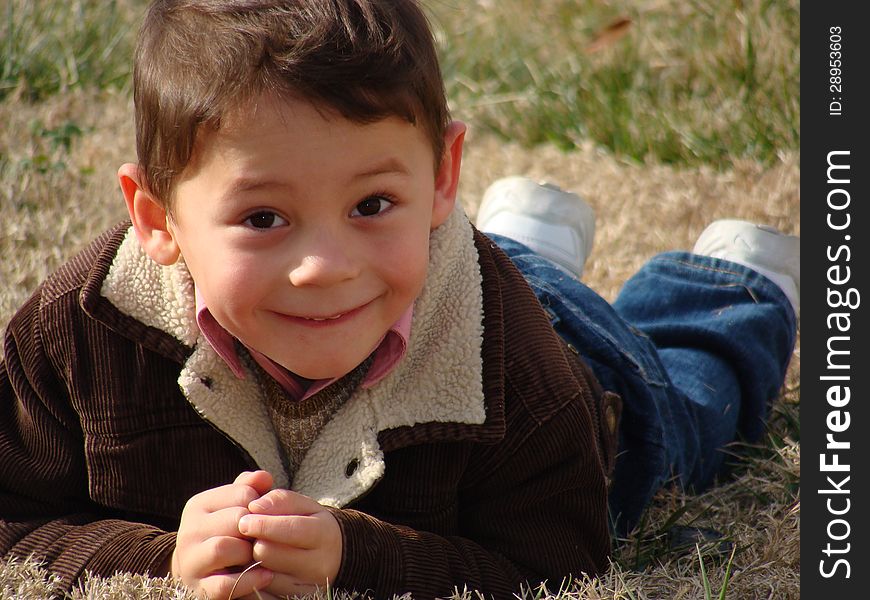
[[447, 177], [150, 219]]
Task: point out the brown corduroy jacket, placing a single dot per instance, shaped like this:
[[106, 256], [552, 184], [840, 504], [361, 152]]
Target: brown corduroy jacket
[[480, 461]]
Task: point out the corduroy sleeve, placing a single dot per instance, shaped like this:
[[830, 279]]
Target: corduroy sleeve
[[45, 510], [530, 509]]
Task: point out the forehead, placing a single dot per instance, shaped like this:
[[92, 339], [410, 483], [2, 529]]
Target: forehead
[[294, 136]]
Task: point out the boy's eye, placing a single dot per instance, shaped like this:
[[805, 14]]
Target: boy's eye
[[371, 206], [264, 220]]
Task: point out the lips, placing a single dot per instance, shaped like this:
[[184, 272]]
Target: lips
[[338, 316], [325, 320]]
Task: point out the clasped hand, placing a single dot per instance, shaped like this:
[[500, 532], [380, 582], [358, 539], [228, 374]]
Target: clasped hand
[[224, 530]]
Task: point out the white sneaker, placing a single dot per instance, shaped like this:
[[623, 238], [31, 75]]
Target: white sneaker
[[556, 224], [775, 255]]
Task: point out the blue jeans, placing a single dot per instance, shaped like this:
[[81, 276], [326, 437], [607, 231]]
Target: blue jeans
[[697, 347]]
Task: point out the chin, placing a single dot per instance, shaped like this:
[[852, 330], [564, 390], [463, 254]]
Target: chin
[[334, 372]]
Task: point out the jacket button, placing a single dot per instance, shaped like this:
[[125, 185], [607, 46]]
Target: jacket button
[[351, 468]]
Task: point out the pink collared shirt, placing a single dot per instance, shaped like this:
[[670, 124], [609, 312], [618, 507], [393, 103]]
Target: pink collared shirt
[[388, 353]]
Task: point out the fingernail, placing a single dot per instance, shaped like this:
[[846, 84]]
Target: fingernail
[[244, 525]]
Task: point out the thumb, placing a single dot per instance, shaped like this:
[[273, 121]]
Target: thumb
[[284, 502], [261, 481]]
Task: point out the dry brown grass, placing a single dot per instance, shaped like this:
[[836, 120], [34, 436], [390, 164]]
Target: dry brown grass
[[45, 217], [642, 209]]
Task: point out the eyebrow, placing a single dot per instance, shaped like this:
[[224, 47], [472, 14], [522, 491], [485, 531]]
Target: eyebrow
[[391, 166], [252, 184]]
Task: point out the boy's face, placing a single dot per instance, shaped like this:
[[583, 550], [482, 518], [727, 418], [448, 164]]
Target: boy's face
[[308, 234]]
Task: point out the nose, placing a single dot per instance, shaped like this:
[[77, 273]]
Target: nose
[[326, 261]]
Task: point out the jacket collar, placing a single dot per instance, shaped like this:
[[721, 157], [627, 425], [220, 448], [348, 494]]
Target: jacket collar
[[436, 392]]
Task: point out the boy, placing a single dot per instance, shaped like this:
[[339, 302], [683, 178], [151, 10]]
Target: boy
[[298, 305]]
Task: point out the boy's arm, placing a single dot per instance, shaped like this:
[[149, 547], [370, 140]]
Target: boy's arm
[[45, 508], [529, 510]]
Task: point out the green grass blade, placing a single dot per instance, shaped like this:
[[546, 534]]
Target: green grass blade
[[708, 592], [724, 589]]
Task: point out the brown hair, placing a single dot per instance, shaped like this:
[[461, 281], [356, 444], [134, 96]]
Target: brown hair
[[198, 59]]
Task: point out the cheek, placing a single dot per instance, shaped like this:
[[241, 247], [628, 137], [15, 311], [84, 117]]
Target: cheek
[[405, 269], [229, 283]]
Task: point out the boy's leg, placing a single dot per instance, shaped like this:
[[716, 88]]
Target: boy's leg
[[724, 335], [696, 346]]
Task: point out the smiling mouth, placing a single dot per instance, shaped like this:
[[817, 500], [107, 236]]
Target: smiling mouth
[[334, 319], [338, 316]]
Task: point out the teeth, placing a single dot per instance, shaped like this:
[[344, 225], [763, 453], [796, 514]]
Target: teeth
[[325, 318]]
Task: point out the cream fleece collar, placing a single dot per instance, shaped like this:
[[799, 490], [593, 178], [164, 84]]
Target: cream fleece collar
[[439, 379]]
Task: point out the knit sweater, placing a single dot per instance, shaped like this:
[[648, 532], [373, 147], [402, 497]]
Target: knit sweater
[[298, 422], [480, 460]]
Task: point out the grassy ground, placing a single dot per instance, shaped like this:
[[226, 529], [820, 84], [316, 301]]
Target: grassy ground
[[688, 82], [664, 114]]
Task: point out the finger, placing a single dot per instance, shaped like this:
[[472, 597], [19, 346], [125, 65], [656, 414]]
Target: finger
[[307, 565], [261, 481], [282, 559], [284, 502], [223, 497], [217, 554], [304, 532], [224, 522], [237, 585]]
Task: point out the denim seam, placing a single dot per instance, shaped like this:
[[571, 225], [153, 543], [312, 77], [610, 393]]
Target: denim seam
[[736, 273], [637, 365], [704, 267], [768, 287]]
